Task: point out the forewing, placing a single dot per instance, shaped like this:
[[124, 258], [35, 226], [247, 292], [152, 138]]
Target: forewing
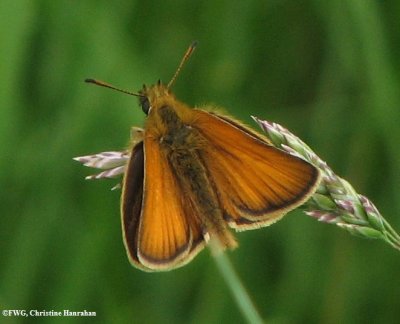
[[256, 183], [168, 234]]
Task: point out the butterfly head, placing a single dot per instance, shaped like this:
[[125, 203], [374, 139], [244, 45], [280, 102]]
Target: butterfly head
[[150, 97]]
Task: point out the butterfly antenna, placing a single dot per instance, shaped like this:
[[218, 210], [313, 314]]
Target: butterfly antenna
[[106, 85], [188, 53]]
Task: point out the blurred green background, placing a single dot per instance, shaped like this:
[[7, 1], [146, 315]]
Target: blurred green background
[[327, 70]]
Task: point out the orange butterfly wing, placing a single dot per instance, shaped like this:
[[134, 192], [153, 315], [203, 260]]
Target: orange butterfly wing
[[165, 234], [256, 183]]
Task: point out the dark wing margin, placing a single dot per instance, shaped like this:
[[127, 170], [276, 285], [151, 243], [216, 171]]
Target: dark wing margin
[[131, 202]]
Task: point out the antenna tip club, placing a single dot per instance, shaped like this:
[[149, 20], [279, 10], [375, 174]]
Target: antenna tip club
[[194, 44]]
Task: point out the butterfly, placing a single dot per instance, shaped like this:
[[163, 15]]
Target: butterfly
[[191, 175]]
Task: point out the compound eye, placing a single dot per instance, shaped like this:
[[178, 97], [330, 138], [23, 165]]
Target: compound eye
[[145, 104]]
